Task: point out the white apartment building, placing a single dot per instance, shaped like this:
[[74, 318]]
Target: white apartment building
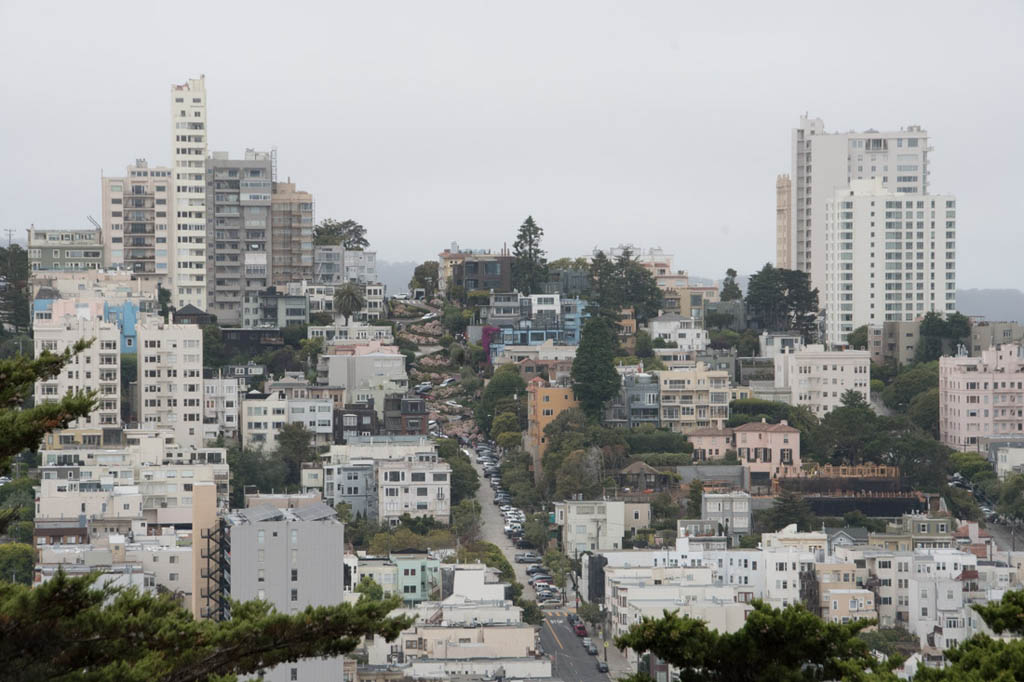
[[222, 396], [188, 227], [334, 264], [418, 485], [980, 398], [166, 558], [363, 371], [742, 569], [97, 368], [590, 525], [888, 256], [263, 415], [147, 481], [823, 163], [138, 221], [818, 378], [171, 378], [686, 332]]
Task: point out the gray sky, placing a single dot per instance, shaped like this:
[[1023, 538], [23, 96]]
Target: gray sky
[[660, 123]]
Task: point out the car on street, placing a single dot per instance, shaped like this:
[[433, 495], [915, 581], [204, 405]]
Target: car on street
[[448, 382], [580, 629], [527, 558], [602, 667], [535, 569], [592, 650], [572, 618], [452, 403], [429, 316]]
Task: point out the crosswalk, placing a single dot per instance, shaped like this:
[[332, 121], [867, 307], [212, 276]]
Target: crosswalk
[[559, 614]]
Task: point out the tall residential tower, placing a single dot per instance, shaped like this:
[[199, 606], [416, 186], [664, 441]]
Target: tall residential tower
[[188, 146]]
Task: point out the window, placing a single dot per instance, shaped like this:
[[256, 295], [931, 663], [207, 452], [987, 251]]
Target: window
[[295, 594]]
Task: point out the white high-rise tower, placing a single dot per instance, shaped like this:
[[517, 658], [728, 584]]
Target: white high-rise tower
[[187, 280], [826, 162]]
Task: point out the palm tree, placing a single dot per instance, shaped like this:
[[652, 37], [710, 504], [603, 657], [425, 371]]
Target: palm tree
[[349, 299]]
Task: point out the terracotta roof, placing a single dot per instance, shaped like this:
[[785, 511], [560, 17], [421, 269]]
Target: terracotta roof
[[710, 432], [964, 531], [763, 427]]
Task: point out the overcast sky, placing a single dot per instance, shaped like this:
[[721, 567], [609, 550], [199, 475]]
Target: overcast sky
[[659, 123]]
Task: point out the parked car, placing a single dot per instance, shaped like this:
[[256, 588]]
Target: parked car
[[429, 316], [602, 667], [587, 641], [452, 403], [592, 650], [580, 629], [572, 618], [531, 558], [535, 569]]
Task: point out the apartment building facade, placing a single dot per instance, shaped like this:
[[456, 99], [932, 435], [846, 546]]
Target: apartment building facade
[[238, 226], [694, 397], [544, 402], [823, 163], [187, 233], [170, 379], [783, 220], [590, 525], [334, 264], [818, 378], [138, 220], [263, 415], [981, 397], [98, 368], [291, 238], [418, 485], [915, 272], [686, 332], [65, 249]]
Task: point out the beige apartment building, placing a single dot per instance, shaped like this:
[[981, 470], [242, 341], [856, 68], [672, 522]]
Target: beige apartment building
[[171, 379], [96, 368], [291, 244], [694, 398], [188, 229], [818, 378], [138, 217], [783, 218]]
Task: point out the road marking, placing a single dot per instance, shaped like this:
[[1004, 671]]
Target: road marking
[[554, 634]]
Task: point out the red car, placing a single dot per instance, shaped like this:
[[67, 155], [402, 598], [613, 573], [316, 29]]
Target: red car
[[580, 630]]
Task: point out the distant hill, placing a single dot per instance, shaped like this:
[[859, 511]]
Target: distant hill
[[995, 305], [395, 276]]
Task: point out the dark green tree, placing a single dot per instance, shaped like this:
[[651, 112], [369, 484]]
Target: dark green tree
[[639, 289], [924, 411], [251, 467], [594, 378], [787, 645], [858, 338], [644, 345], [466, 519], [694, 499], [506, 385], [910, 383], [163, 297], [349, 299], [730, 289], [852, 398], [17, 562], [348, 234], [783, 300], [68, 630], [23, 428], [788, 508], [591, 613], [369, 589], [465, 481], [425, 277], [294, 447], [605, 297], [529, 271]]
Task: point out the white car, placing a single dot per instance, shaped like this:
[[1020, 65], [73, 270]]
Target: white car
[[429, 316], [452, 403]]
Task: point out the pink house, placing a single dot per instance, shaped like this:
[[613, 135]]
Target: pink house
[[768, 451]]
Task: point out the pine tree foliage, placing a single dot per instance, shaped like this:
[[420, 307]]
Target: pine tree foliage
[[68, 629], [23, 428], [594, 377], [529, 270]]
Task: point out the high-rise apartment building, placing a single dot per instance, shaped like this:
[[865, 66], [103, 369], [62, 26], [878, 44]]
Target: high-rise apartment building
[[171, 378], [291, 238], [783, 219], [824, 163], [97, 368], [238, 223], [888, 257], [188, 146], [138, 214], [981, 397]]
